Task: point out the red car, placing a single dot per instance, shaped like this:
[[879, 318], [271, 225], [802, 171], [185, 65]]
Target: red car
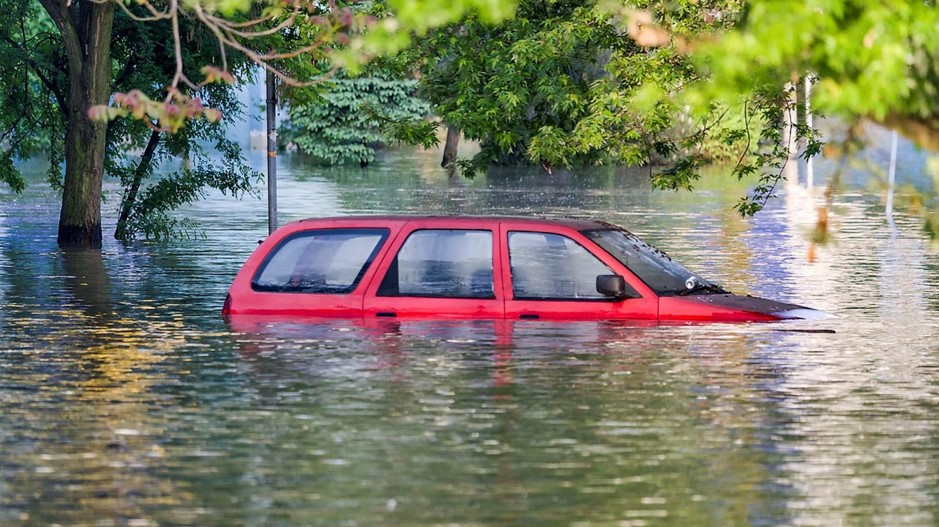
[[479, 267]]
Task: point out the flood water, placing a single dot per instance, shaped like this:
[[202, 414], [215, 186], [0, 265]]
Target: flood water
[[127, 400]]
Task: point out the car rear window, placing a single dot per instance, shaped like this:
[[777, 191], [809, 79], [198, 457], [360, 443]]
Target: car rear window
[[327, 261]]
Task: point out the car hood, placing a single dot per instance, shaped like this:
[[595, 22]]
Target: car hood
[[762, 306]]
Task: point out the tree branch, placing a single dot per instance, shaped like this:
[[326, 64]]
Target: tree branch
[[37, 68], [130, 197], [58, 12]]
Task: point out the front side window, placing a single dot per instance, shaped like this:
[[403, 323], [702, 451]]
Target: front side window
[[553, 267], [328, 261], [450, 263]]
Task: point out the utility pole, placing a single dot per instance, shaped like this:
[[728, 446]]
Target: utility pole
[[809, 167], [891, 182], [271, 153]]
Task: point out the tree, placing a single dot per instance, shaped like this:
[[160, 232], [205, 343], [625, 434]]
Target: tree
[[342, 123], [36, 117], [567, 83], [85, 36], [503, 85]]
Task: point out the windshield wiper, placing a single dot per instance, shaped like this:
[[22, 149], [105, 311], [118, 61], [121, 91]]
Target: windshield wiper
[[698, 286]]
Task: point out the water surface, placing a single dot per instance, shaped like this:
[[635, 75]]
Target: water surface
[[128, 400]]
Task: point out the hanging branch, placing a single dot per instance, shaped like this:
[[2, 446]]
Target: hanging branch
[[329, 24]]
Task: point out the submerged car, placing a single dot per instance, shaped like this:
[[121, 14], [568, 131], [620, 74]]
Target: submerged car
[[479, 267]]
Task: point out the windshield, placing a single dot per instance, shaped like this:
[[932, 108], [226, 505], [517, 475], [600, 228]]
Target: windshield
[[662, 274]]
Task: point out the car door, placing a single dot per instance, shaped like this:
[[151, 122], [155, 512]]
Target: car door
[[439, 270], [550, 273]]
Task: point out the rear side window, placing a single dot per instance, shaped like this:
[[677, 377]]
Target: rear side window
[[448, 263], [328, 261], [552, 267]]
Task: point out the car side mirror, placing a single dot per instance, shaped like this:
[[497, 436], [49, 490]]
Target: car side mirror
[[614, 286]]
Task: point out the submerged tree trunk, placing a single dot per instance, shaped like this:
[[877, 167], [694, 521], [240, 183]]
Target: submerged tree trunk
[[449, 148], [86, 28], [130, 196]]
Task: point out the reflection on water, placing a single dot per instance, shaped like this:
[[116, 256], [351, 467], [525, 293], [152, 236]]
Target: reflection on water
[[128, 399]]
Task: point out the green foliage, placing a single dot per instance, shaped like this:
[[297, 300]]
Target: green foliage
[[342, 125], [422, 131], [9, 174], [399, 21], [502, 85], [562, 84], [34, 107], [155, 186], [874, 60], [33, 88], [223, 169]]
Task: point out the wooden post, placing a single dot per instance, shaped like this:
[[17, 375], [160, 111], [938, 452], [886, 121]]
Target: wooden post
[[271, 153]]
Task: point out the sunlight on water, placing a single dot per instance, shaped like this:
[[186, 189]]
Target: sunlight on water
[[129, 400]]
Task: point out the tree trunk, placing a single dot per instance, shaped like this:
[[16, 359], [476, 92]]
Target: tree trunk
[[130, 197], [86, 28], [449, 148]]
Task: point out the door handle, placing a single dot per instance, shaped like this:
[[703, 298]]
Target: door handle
[[529, 316], [386, 314]]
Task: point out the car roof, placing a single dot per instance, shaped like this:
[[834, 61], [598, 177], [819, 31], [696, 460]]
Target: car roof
[[573, 223]]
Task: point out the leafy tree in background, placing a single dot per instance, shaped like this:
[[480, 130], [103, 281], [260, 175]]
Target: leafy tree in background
[[342, 124], [562, 83]]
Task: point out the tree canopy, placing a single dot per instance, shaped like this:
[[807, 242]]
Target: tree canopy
[[678, 83], [343, 124], [567, 83]]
